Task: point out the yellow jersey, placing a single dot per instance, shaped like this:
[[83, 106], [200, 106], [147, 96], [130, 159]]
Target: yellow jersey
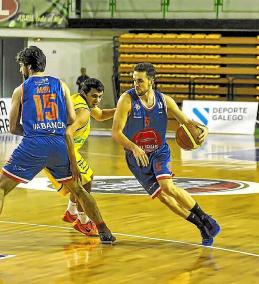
[[82, 133], [80, 137]]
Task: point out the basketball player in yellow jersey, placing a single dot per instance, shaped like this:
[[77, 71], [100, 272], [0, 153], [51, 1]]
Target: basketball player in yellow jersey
[[86, 105]]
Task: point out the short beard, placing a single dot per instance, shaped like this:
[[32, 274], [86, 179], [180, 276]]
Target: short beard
[[141, 94]]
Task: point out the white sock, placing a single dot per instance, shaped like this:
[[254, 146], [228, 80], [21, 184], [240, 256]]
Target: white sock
[[83, 217], [71, 207]]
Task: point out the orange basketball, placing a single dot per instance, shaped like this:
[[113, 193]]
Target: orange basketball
[[187, 136]]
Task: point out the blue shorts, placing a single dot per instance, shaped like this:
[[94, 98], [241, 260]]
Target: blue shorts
[[35, 153], [156, 170]]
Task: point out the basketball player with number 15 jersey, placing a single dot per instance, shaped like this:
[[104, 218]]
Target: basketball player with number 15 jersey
[[44, 106]]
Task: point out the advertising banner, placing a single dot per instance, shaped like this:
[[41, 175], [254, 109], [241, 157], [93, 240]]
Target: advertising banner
[[32, 14], [5, 106], [223, 116]]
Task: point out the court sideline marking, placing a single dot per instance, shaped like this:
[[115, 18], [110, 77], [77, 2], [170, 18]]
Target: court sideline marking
[[135, 236]]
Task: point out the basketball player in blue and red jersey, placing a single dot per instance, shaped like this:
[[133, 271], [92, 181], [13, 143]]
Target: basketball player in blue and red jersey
[[139, 125], [44, 105]]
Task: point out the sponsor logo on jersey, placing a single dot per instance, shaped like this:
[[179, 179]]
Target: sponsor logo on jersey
[[137, 111], [148, 139], [137, 107], [41, 81], [49, 125]]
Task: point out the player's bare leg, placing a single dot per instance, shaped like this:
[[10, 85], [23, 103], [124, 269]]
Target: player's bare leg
[[179, 194], [6, 185], [90, 207], [71, 213], [181, 203], [173, 205], [83, 223]]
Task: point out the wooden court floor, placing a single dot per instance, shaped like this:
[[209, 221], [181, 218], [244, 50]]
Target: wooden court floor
[[153, 245]]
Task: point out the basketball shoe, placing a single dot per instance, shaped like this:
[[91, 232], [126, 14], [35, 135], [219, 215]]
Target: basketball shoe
[[89, 229], [207, 240], [211, 224], [68, 217], [107, 238]]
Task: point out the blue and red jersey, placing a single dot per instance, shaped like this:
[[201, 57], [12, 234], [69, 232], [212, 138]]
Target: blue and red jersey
[[146, 127], [43, 107]]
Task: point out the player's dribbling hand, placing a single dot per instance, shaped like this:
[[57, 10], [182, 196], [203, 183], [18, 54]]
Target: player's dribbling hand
[[140, 156], [203, 136]]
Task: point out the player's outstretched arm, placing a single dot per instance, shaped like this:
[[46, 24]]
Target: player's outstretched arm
[[102, 114]]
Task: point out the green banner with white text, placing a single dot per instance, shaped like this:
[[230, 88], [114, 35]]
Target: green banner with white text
[[34, 13]]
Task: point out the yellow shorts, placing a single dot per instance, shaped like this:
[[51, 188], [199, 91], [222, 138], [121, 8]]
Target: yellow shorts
[[85, 170]]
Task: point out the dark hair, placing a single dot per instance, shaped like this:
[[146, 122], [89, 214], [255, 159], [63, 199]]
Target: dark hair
[[92, 83], [33, 56], [146, 67]]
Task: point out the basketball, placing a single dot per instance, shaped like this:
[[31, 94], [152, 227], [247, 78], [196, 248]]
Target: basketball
[[187, 136]]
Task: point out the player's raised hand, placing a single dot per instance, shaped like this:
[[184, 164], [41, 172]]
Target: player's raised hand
[[140, 156]]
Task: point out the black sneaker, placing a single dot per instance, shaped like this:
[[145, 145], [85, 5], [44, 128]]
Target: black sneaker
[[106, 237]]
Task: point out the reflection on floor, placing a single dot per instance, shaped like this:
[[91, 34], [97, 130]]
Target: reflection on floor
[[154, 246]]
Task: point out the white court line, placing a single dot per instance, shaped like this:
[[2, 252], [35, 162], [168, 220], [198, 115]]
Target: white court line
[[138, 237], [190, 244], [7, 256]]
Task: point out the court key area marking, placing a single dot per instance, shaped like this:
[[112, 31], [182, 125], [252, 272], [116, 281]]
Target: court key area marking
[[129, 185]]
